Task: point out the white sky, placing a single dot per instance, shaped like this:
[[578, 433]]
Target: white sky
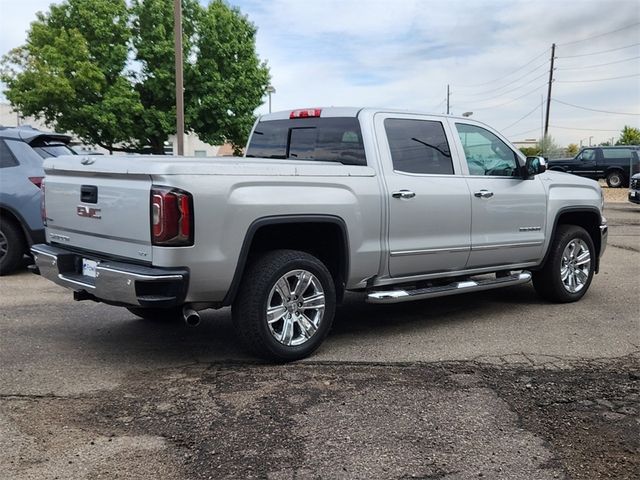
[[403, 53]]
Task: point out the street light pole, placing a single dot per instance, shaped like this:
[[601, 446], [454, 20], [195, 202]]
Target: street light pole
[[270, 89], [177, 29]]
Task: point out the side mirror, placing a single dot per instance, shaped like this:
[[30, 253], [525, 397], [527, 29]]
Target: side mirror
[[535, 166]]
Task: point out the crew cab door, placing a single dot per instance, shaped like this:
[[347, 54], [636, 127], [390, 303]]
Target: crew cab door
[[508, 212], [429, 210]]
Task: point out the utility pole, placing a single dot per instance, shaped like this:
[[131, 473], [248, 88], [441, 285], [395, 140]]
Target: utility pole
[[448, 95], [546, 119], [177, 29]]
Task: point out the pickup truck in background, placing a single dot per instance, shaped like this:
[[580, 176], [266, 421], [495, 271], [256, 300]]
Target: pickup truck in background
[[615, 164], [400, 206]]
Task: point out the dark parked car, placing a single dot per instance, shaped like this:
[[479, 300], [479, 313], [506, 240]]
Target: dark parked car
[[634, 189], [21, 173], [610, 163]]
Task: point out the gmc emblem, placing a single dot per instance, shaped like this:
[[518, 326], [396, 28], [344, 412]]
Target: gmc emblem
[[89, 212]]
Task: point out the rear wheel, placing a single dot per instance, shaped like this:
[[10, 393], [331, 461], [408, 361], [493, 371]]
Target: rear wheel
[[285, 306], [157, 314], [615, 179], [12, 246], [568, 271]]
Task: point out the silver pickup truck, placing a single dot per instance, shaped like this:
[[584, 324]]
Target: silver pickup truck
[[398, 205]]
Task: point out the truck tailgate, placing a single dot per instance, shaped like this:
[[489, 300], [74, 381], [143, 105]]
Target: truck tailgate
[[100, 212]]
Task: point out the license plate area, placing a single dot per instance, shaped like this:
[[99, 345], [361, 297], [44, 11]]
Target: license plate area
[[89, 267]]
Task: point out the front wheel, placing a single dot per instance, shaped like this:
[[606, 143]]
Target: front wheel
[[568, 271], [285, 306]]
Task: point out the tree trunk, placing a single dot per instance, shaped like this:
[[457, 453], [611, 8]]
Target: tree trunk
[[157, 146]]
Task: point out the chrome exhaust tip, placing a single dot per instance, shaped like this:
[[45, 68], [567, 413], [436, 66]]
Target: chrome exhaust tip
[[191, 317]]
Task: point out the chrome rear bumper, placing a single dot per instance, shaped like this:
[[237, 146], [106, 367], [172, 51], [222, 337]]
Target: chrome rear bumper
[[114, 282]]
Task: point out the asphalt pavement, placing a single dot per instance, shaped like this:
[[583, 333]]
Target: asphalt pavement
[[496, 384]]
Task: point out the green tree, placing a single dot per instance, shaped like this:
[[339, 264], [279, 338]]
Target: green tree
[[70, 71], [224, 77], [105, 71], [629, 136], [530, 151], [572, 149], [548, 147]]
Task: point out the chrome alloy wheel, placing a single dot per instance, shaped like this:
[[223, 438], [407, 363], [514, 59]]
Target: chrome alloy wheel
[[295, 307], [4, 245], [576, 265]]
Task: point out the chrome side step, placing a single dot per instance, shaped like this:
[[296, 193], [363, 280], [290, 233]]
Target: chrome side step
[[397, 296]]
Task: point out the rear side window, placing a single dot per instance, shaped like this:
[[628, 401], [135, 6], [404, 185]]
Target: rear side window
[[617, 153], [331, 139], [6, 157], [418, 146]]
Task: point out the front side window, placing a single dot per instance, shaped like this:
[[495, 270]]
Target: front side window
[[330, 139], [588, 155], [418, 146], [486, 154]]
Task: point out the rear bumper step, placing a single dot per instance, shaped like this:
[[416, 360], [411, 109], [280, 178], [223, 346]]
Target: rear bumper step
[[454, 288], [112, 282]]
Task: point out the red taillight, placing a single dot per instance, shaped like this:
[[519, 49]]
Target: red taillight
[[171, 217], [37, 181], [305, 113], [43, 205]]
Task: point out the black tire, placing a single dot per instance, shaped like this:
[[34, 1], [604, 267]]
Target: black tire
[[615, 179], [157, 314], [548, 280], [250, 306], [12, 246]]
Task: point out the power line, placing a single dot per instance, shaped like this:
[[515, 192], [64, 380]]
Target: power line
[[510, 83], [522, 133], [599, 64], [599, 35], [599, 79], [601, 51], [544, 74], [512, 100], [586, 129], [522, 118], [593, 109], [506, 75], [441, 103]]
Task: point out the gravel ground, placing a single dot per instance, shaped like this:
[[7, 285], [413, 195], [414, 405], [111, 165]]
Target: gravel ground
[[456, 420], [495, 385], [615, 195]]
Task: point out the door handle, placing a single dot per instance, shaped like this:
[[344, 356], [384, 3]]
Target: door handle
[[483, 194], [403, 194]]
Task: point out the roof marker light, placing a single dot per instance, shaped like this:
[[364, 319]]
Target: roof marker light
[[305, 113]]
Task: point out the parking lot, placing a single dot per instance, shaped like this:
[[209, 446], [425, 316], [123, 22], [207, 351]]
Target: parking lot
[[496, 384]]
